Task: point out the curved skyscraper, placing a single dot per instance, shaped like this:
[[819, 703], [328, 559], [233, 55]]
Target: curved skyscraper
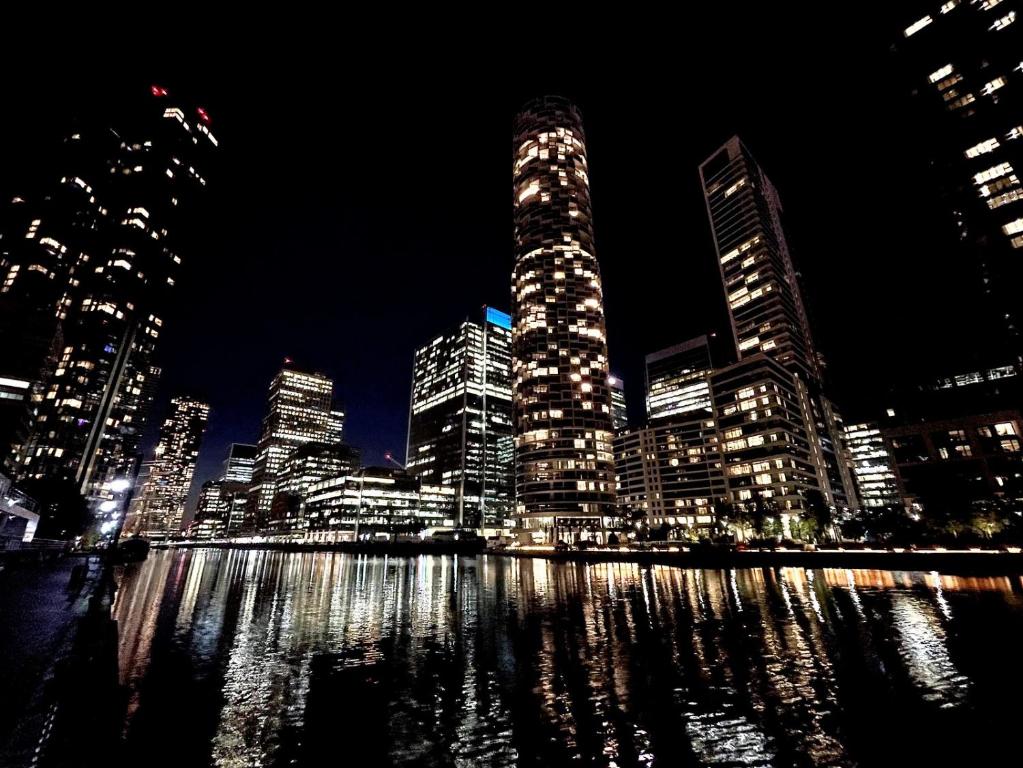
[[564, 465]]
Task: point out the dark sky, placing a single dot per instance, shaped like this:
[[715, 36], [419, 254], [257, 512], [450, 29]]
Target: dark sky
[[362, 200]]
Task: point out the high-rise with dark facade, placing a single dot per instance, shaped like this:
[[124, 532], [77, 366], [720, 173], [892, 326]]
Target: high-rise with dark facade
[[240, 463], [88, 271], [159, 507], [222, 502], [619, 406], [563, 427], [299, 411], [678, 380], [460, 418], [963, 64]]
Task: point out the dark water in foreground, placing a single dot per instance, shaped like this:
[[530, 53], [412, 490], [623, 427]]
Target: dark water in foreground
[[246, 658]]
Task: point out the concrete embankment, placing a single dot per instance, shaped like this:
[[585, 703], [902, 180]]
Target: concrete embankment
[[946, 561]]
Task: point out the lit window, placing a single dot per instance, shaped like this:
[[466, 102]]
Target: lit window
[[992, 86], [916, 26], [992, 173], [1003, 22], [1013, 227], [983, 148], [940, 74]]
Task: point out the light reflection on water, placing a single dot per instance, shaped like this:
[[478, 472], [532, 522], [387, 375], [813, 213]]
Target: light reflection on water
[[269, 658]]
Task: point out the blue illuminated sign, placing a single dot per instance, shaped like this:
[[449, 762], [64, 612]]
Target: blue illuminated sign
[[498, 318]]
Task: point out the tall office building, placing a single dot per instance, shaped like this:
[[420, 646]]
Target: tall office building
[[872, 466], [299, 411], [678, 380], [88, 272], [240, 463], [460, 418], [962, 62], [159, 507], [767, 314], [619, 408], [305, 466], [563, 429], [222, 502], [220, 511]]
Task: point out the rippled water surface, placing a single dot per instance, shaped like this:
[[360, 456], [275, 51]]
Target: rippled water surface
[[250, 658]]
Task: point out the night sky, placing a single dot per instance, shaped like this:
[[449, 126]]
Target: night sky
[[363, 199]]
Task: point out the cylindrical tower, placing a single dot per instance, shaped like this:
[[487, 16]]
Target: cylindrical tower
[[564, 462]]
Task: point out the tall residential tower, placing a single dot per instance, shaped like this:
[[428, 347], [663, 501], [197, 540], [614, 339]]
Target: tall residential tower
[[100, 253], [88, 271], [563, 426]]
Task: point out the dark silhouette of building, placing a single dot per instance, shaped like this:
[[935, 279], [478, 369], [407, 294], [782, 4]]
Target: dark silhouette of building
[[89, 268]]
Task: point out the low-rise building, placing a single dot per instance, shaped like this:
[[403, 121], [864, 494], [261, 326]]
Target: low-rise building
[[376, 501]]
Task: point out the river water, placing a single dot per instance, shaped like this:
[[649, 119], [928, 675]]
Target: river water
[[258, 658]]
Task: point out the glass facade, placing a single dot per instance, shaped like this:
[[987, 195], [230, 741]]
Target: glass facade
[[240, 462], [872, 465], [299, 412], [564, 459], [376, 502], [766, 309], [460, 418], [677, 380], [619, 408], [159, 507], [304, 467]]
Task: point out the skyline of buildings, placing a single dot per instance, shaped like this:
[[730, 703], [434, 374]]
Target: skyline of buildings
[[564, 463], [520, 414]]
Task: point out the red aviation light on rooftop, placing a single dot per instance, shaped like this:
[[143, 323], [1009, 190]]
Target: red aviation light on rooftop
[[203, 115], [157, 90]]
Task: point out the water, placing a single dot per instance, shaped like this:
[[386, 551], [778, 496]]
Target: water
[[249, 658]]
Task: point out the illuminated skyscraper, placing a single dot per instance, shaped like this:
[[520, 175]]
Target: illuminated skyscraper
[[678, 380], [563, 428], [299, 411], [460, 418], [305, 466], [962, 62], [240, 462], [761, 286], [88, 277], [159, 506], [769, 321], [619, 408], [220, 510], [872, 465]]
